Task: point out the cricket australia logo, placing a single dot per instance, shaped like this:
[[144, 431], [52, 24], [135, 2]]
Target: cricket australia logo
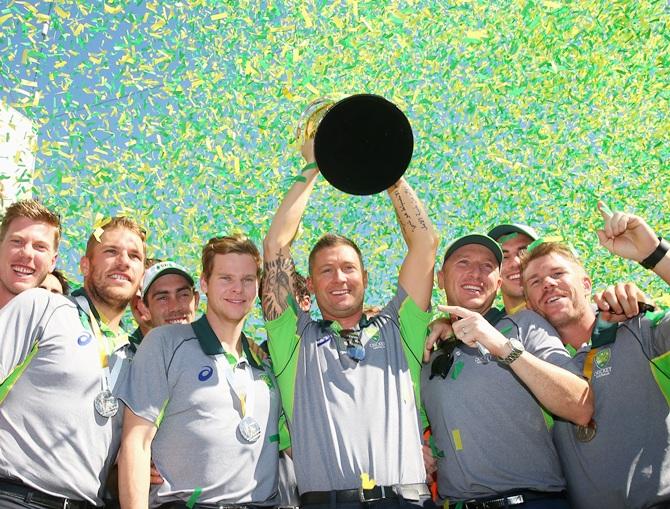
[[601, 363], [374, 338]]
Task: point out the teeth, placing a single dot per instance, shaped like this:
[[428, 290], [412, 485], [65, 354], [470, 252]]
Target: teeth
[[471, 288], [340, 292], [553, 299], [514, 277], [119, 277], [22, 270]]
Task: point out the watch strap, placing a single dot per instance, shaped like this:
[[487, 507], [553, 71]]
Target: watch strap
[[650, 261], [513, 355]]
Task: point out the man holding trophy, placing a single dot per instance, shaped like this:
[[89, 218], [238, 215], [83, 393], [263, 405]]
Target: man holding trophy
[[349, 384]]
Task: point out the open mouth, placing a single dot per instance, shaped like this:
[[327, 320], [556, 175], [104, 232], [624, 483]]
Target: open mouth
[[181, 319], [119, 277], [472, 289], [22, 270]]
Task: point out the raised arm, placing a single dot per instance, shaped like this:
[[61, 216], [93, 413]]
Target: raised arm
[[416, 273], [277, 261], [631, 237]]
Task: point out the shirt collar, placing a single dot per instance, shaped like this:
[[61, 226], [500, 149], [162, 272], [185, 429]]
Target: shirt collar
[[211, 345]]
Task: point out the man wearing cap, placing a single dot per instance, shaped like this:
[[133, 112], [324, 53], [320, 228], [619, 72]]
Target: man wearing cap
[[485, 391], [621, 458], [61, 363], [29, 236], [199, 403], [346, 381], [513, 239]]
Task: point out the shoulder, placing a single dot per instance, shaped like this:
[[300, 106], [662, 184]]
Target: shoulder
[[35, 302]]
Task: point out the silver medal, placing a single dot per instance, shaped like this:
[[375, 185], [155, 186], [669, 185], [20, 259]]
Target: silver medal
[[586, 433], [106, 404], [249, 429]]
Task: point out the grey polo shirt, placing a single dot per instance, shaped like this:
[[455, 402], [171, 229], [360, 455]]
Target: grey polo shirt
[[51, 437], [177, 383], [627, 463], [352, 421], [490, 433]]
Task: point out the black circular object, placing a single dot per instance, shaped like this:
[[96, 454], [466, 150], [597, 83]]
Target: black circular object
[[363, 145]]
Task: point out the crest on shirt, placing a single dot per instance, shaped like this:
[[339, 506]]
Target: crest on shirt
[[601, 363], [84, 338]]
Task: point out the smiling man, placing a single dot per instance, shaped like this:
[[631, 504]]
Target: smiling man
[[199, 403], [61, 363], [29, 237], [350, 385], [621, 458], [486, 405], [513, 239]]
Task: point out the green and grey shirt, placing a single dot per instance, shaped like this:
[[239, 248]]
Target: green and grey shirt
[[51, 437], [627, 463], [178, 383], [352, 421], [491, 435]]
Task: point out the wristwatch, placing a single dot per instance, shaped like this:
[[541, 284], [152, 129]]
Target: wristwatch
[[517, 349]]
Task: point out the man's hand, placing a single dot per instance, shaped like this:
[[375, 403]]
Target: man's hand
[[429, 462], [472, 328], [626, 235], [440, 330], [619, 302], [307, 150], [154, 475]]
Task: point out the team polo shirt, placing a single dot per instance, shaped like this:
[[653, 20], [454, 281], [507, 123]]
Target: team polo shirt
[[177, 382], [51, 437], [627, 463], [490, 433], [351, 421]]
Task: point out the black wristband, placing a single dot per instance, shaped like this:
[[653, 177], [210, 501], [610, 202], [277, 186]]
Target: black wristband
[[650, 261]]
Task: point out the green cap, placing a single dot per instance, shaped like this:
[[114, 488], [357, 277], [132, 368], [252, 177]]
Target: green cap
[[475, 238], [505, 229]]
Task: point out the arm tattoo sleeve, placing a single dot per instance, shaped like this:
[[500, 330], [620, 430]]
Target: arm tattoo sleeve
[[277, 286]]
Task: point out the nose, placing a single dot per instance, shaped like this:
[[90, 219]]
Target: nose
[[339, 275], [548, 282], [122, 259]]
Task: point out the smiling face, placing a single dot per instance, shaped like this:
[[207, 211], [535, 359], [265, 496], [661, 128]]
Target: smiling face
[[470, 278], [114, 267], [27, 255], [510, 271], [171, 299], [338, 282], [558, 289], [231, 287]]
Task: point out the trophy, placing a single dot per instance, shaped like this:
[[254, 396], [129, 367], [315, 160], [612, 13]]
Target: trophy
[[362, 144]]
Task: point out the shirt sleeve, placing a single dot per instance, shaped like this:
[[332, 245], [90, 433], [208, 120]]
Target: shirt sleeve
[[22, 322], [146, 392]]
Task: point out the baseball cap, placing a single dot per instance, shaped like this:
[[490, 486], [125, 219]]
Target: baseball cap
[[505, 229], [162, 269], [475, 238]]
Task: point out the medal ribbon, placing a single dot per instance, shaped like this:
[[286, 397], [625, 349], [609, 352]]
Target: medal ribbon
[[109, 378], [241, 383]]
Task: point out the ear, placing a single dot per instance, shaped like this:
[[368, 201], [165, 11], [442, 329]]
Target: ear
[[365, 279], [142, 309], [203, 284], [588, 284], [499, 282], [196, 296], [53, 262], [440, 278], [84, 266], [310, 285]]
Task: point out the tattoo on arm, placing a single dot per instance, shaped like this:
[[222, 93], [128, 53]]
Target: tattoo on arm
[[411, 214], [277, 286]]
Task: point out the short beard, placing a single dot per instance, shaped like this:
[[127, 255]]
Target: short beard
[[101, 295]]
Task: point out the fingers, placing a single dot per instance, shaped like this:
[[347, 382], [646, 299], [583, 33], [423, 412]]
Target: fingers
[[619, 300], [604, 210], [154, 476], [604, 240], [440, 329], [456, 311]]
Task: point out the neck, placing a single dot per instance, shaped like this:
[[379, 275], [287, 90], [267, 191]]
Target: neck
[[110, 314], [512, 303], [144, 329], [579, 331], [350, 322], [227, 332]]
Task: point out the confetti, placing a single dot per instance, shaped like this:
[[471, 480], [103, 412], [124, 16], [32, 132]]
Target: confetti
[[184, 115]]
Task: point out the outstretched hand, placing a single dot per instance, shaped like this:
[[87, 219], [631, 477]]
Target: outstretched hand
[[626, 235]]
